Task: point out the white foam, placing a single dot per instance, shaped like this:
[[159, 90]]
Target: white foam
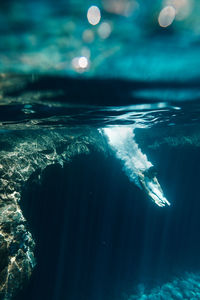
[[122, 141]]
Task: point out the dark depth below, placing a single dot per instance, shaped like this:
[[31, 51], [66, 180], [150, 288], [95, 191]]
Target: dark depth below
[[98, 235]]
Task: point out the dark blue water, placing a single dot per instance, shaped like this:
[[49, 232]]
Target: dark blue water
[[98, 236]]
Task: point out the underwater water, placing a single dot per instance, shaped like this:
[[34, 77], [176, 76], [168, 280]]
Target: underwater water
[[99, 150], [102, 202]]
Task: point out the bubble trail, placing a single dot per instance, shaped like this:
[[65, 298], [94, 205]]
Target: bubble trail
[[135, 163]]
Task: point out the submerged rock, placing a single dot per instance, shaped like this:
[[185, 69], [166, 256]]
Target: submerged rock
[[186, 287], [24, 153]]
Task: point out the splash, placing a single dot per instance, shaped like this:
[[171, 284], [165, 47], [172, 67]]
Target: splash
[[136, 164]]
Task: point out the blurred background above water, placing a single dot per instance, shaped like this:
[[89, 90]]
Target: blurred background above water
[[134, 39]]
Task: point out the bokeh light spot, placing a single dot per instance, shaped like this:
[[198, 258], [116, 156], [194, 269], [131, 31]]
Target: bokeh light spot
[[166, 16], [94, 15], [104, 30], [80, 64], [83, 62], [88, 36]]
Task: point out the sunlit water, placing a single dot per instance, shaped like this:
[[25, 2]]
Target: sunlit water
[[109, 227], [110, 191]]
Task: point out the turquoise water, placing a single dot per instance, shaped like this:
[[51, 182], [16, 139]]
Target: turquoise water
[[99, 151]]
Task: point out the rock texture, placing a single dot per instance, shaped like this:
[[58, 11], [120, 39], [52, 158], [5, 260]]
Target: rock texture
[[23, 153], [173, 137]]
